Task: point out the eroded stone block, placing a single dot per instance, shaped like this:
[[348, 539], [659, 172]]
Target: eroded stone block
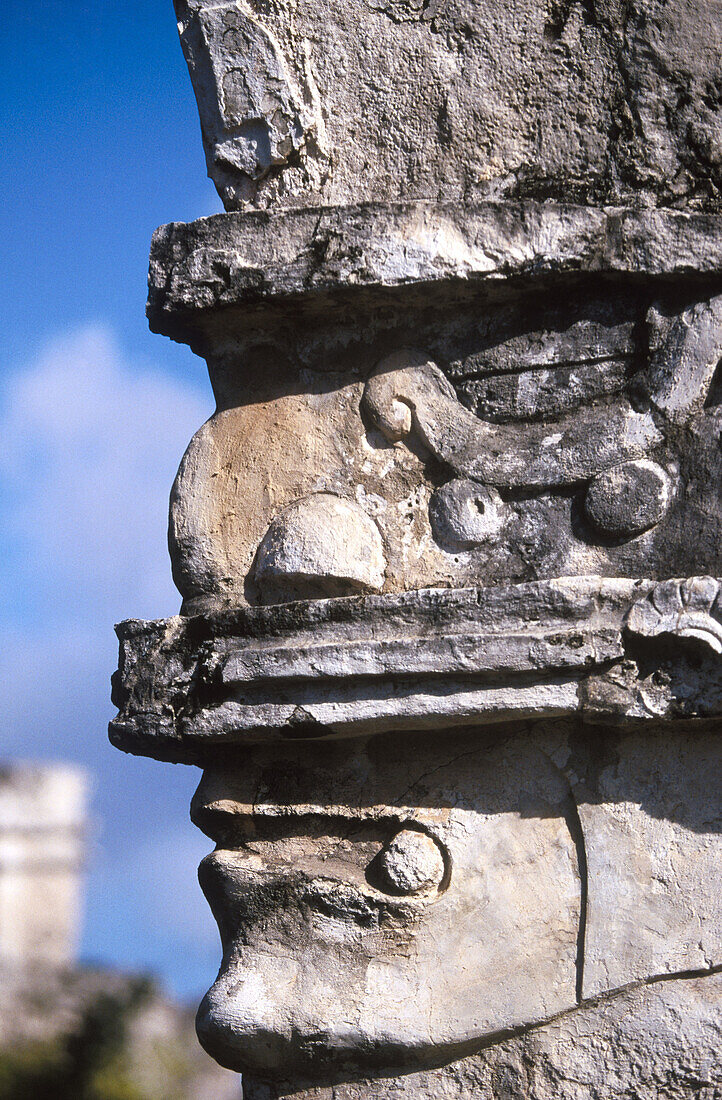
[[660, 1040], [472, 98]]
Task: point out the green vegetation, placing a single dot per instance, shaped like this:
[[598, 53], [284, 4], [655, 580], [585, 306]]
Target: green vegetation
[[88, 1064]]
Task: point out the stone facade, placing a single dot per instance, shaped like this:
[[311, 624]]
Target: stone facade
[[449, 549], [42, 850], [382, 100]]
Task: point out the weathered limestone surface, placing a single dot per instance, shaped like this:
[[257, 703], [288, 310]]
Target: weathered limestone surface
[[430, 659], [250, 259], [393, 99], [662, 1041], [450, 547], [578, 862], [339, 965]]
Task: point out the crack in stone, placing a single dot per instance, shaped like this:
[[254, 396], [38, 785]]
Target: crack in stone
[[445, 764], [576, 831], [593, 1002]]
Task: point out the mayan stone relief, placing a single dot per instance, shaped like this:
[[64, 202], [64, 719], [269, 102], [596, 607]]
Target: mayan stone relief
[[449, 650]]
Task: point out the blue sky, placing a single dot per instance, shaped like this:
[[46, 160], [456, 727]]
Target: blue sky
[[100, 144]]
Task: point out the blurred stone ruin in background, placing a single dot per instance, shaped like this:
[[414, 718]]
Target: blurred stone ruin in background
[[69, 1031]]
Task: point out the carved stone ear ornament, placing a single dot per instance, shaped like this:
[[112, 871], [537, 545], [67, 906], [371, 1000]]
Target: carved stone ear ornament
[[628, 492], [628, 499], [688, 608], [465, 514]]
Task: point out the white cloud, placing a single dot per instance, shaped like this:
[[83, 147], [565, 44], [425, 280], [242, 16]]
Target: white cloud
[[89, 446]]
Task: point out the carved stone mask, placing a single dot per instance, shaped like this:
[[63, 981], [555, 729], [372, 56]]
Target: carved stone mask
[[398, 901], [372, 911], [449, 548]]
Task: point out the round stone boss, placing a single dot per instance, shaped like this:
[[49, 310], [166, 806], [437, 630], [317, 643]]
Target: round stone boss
[[629, 498], [412, 861]]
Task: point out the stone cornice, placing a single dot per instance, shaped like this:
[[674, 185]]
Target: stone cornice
[[254, 258], [430, 659]]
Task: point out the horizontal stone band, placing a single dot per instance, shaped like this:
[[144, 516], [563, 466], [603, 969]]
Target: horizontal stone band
[[434, 658], [251, 257]]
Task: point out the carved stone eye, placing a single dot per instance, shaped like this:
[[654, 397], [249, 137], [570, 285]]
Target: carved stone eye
[[408, 864], [464, 514]]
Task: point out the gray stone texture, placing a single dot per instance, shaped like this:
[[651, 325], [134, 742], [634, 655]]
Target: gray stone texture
[[432, 659], [321, 535], [396, 99], [355, 253], [449, 548], [420, 354]]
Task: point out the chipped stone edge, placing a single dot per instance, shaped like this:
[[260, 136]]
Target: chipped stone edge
[[352, 666], [246, 258]]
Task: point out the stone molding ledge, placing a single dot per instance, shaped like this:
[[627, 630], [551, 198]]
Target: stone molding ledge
[[609, 650], [253, 257]]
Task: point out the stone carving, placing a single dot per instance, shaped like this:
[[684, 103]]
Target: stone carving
[[524, 393], [628, 493], [254, 117], [554, 855], [390, 663], [474, 99], [320, 546], [407, 392], [466, 514], [686, 609], [586, 1053], [625, 498], [409, 863], [359, 973], [459, 729], [628, 499], [686, 351]]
